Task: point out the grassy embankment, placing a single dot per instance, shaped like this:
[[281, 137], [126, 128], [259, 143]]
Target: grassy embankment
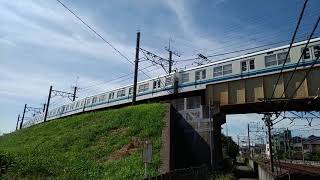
[[98, 145]]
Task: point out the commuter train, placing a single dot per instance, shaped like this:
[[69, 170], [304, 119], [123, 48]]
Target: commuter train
[[255, 64]]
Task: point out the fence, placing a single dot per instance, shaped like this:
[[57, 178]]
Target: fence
[[199, 173]]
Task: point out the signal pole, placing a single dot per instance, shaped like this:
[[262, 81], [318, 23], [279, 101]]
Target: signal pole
[[136, 66], [18, 122], [24, 112], [47, 105]]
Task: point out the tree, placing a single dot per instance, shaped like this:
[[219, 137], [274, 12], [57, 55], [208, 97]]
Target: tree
[[230, 147]]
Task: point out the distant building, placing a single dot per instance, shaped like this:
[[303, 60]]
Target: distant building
[[311, 144], [281, 141]]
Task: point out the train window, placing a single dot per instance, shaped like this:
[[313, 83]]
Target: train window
[[184, 77], [307, 53], [82, 102], [168, 81], [281, 57], [72, 105], [121, 93], [247, 65], [251, 61], [144, 87], [111, 95], [88, 101], [316, 51], [227, 69], [156, 84], [244, 66], [201, 74], [94, 100], [130, 91], [102, 98], [270, 60], [217, 71]]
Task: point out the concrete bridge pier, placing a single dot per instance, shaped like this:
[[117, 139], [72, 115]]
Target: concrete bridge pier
[[217, 156]]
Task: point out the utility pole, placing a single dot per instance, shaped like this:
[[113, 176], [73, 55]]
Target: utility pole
[[269, 124], [74, 93], [24, 112], [47, 105], [210, 133], [249, 140], [136, 68], [302, 149], [18, 122], [238, 141]]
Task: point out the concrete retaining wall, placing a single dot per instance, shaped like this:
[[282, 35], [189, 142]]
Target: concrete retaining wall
[[264, 174], [182, 145]]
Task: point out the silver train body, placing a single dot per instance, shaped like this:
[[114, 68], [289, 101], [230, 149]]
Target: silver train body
[[251, 65]]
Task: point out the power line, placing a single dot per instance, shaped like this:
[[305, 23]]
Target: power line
[[296, 89], [302, 54], [291, 43], [100, 36], [96, 33]]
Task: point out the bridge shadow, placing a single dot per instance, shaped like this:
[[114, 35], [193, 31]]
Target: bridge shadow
[[188, 147]]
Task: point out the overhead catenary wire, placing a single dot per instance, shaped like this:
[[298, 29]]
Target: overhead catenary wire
[[291, 43], [305, 76], [95, 32], [113, 79], [100, 36], [302, 54], [240, 50]]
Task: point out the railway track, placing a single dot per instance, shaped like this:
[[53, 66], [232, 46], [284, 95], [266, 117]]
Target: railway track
[[301, 168]]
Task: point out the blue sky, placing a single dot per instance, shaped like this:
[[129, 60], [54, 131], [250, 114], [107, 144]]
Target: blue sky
[[42, 44]]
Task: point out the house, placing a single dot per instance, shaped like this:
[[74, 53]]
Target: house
[[311, 144]]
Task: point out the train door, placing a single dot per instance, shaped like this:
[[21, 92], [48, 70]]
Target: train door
[[247, 66]]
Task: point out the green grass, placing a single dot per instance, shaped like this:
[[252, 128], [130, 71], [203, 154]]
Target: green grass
[[86, 146]]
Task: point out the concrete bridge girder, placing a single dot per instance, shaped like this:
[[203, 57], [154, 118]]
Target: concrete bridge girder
[[253, 91]]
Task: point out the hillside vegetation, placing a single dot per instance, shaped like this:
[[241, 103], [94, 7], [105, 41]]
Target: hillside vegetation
[[98, 145]]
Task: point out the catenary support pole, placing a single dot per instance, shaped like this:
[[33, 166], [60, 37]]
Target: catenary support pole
[[136, 68], [44, 107], [47, 105], [302, 151], [268, 122], [249, 146], [24, 112], [18, 122], [210, 133], [170, 61], [74, 93]]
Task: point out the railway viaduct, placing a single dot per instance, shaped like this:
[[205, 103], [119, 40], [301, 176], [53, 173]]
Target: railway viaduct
[[247, 95]]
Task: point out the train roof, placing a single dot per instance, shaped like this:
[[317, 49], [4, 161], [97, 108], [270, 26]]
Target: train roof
[[253, 54]]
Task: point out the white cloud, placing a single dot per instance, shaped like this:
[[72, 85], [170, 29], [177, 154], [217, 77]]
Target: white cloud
[[55, 29]]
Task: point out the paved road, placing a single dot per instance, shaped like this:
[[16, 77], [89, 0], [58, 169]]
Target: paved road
[[244, 172]]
